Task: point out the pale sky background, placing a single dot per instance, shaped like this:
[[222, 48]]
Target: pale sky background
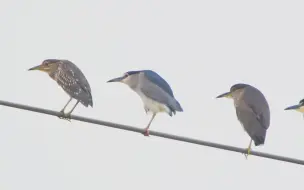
[[200, 47]]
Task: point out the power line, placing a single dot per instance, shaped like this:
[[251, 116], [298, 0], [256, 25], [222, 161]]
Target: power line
[[158, 134]]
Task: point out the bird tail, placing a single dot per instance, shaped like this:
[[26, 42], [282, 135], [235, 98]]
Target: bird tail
[[259, 136], [91, 103], [259, 140], [178, 107], [252, 126], [174, 106], [90, 100], [87, 101]]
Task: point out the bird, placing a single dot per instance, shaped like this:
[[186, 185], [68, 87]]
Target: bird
[[299, 107], [71, 79], [252, 110], [155, 93]]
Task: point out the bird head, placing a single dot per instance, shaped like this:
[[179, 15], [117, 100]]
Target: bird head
[[233, 90], [128, 78], [299, 107], [48, 66]]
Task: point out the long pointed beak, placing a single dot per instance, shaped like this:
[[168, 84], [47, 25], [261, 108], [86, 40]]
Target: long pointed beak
[[35, 68], [226, 95], [294, 107], [118, 79]]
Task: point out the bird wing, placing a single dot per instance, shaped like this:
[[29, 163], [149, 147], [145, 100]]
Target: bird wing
[[72, 80], [72, 70], [158, 94], [159, 81], [258, 104], [253, 112], [251, 124]]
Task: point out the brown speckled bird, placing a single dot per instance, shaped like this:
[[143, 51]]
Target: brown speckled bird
[[71, 79]]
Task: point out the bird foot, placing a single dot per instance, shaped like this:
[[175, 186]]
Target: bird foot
[[146, 133], [248, 153], [147, 110], [65, 116]]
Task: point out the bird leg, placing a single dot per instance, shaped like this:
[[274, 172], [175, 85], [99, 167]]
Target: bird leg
[[146, 133], [146, 109], [248, 149], [68, 115], [62, 111]]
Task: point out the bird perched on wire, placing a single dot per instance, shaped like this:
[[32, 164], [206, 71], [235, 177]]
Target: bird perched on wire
[[155, 92], [299, 107], [71, 79], [252, 111]]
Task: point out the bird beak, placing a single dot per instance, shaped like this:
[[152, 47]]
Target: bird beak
[[226, 95], [295, 107], [118, 79], [39, 67]]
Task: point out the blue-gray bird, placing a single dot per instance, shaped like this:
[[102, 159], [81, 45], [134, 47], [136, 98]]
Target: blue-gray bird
[[155, 92], [71, 79], [252, 111], [299, 107]]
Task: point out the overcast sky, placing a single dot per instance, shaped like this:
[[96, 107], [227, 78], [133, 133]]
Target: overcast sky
[[200, 47]]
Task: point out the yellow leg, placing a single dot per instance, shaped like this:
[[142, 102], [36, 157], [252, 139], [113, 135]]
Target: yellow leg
[[248, 149]]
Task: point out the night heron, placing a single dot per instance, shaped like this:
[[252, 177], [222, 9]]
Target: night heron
[[252, 111], [299, 107], [155, 92], [71, 79]]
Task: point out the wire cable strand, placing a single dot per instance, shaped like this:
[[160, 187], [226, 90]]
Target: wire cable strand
[[154, 133]]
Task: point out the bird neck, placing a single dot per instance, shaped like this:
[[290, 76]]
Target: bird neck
[[133, 86], [52, 75]]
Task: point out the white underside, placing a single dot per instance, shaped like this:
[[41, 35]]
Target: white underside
[[153, 106]]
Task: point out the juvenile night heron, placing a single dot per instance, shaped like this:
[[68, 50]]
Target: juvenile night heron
[[71, 79], [299, 107], [155, 92], [252, 111]]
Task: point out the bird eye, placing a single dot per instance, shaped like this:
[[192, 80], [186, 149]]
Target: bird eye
[[126, 74]]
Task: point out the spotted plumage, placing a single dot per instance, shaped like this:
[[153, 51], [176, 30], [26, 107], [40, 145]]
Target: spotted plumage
[[73, 82], [70, 78]]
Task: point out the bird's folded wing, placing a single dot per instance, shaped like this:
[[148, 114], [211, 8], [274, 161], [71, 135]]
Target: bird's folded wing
[[157, 94], [73, 73], [159, 81]]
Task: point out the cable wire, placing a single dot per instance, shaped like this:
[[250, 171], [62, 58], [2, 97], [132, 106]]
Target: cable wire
[[154, 133]]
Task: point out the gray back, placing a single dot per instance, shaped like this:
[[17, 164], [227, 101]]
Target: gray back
[[158, 80], [157, 93]]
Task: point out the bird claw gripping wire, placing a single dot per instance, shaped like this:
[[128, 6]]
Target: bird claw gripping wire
[[247, 154], [65, 116]]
